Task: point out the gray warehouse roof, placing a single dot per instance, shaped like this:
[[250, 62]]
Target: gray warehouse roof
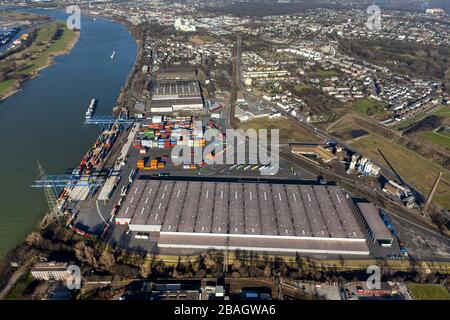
[[250, 209], [181, 89], [132, 201], [373, 220]]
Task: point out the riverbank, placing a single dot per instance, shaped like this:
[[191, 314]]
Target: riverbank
[[106, 77], [55, 108], [52, 39]]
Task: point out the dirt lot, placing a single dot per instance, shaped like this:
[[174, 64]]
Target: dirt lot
[[289, 130]]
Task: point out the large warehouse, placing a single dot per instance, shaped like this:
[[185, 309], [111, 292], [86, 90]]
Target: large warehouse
[[176, 73], [279, 216], [175, 95]]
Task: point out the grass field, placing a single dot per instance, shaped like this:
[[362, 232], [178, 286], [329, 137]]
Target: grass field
[[43, 46], [370, 106], [289, 130], [202, 39], [64, 41], [36, 64], [408, 122], [439, 138], [428, 292], [45, 33], [415, 169], [5, 86], [21, 286], [300, 87], [444, 111], [16, 15], [325, 73], [51, 39]]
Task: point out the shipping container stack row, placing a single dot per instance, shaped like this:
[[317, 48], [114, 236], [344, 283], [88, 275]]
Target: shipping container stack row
[[92, 159], [99, 151], [165, 132], [154, 164]]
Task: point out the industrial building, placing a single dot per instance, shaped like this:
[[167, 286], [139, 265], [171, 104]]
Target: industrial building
[[176, 73], [51, 271], [385, 289], [165, 290], [312, 149], [176, 95], [375, 226], [280, 216]]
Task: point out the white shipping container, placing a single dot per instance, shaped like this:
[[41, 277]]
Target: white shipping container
[[157, 119]]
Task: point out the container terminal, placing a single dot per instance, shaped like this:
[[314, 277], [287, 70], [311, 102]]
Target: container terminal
[[246, 216], [130, 189]]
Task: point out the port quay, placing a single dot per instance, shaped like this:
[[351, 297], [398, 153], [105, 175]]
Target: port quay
[[129, 187]]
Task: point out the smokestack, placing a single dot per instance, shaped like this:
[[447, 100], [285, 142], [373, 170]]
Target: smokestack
[[433, 190]]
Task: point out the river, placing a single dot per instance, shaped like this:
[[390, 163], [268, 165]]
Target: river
[[45, 119]]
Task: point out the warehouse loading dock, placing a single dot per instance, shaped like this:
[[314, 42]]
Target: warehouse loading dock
[[375, 226], [244, 215]]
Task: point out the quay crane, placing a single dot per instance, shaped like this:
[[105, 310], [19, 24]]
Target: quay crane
[[53, 185], [106, 121]]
